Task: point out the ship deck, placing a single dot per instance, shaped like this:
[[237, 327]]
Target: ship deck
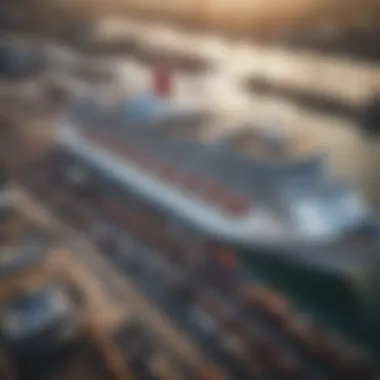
[[141, 158]]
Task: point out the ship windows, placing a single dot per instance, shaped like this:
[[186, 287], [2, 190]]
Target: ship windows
[[205, 189]]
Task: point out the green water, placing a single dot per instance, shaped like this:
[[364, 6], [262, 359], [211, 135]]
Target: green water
[[326, 298]]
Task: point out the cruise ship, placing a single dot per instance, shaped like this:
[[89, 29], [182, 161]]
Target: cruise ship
[[233, 221]]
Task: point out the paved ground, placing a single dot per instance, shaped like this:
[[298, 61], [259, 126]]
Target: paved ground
[[108, 286]]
